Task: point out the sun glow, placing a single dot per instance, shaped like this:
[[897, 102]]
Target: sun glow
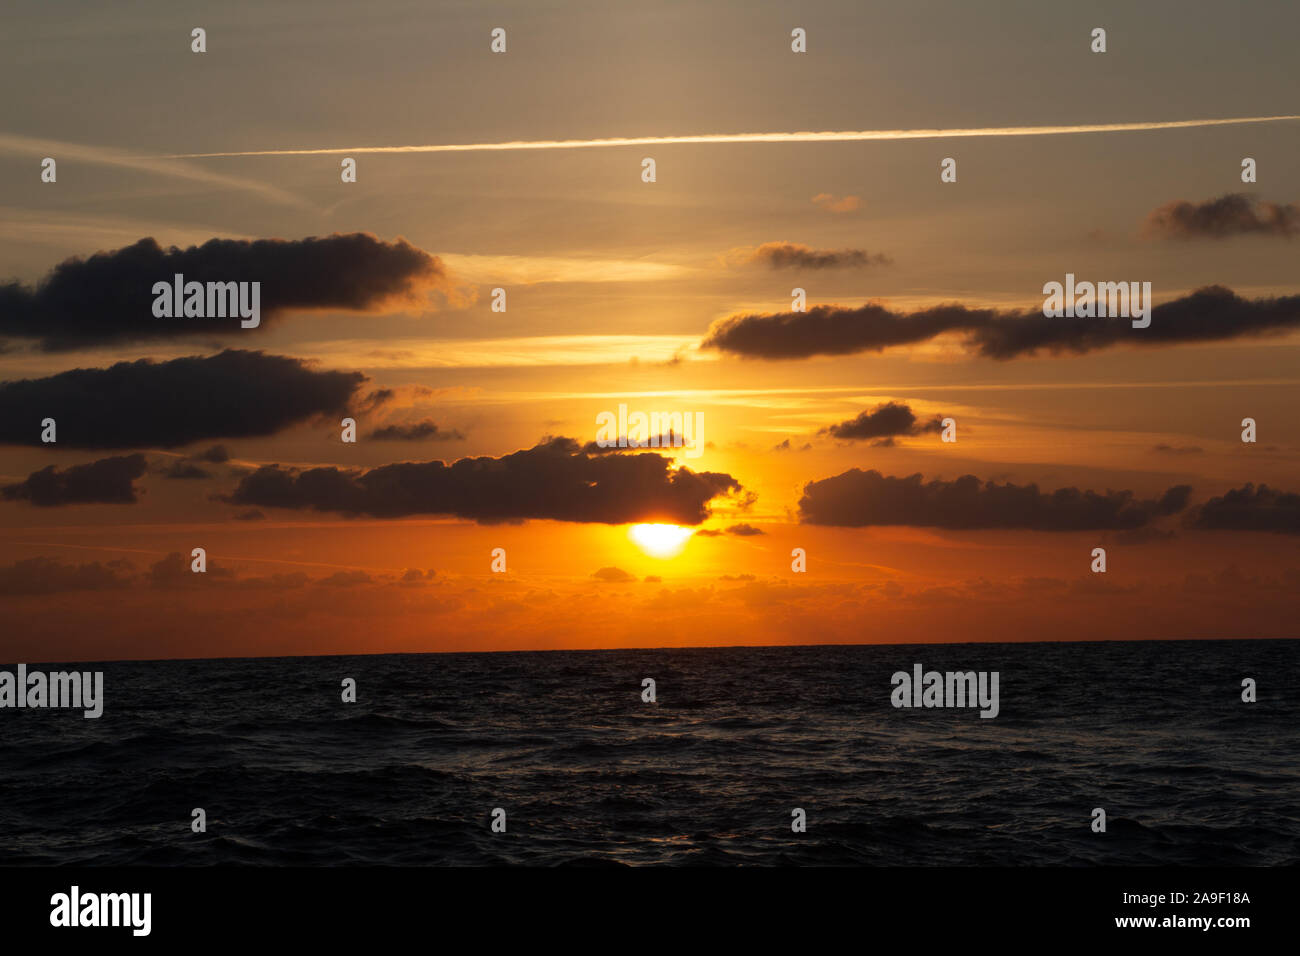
[[659, 540]]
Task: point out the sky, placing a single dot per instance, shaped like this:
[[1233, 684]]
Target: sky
[[821, 429]]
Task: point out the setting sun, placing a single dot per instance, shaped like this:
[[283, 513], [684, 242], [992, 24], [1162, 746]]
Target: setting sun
[[659, 540]]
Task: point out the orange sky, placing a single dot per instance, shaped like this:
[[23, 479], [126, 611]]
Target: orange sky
[[613, 285]]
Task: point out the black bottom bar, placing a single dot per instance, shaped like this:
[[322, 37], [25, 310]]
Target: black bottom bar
[[656, 906]]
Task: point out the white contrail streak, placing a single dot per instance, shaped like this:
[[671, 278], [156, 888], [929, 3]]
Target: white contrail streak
[[849, 136]]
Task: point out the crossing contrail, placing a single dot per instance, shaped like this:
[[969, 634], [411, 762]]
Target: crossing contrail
[[848, 136]]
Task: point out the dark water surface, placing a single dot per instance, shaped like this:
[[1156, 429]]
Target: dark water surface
[[1154, 732]]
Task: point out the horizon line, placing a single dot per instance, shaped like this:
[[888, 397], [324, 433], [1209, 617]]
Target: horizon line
[[724, 138], [657, 647]]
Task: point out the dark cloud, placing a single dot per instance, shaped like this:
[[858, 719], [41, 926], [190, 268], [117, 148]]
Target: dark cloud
[[216, 455], [740, 530], [417, 431], [859, 498], [380, 396], [1235, 214], [415, 577], [191, 468], [1213, 313], [109, 481], [48, 576], [108, 298], [165, 404], [613, 575], [555, 480], [884, 421], [667, 439], [1177, 449], [186, 470], [252, 514], [793, 255], [1250, 508]]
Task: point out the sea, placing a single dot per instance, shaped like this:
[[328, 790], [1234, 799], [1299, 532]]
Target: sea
[[562, 751]]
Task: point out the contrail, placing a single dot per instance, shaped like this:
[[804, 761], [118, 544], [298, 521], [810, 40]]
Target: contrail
[[849, 136], [108, 156]]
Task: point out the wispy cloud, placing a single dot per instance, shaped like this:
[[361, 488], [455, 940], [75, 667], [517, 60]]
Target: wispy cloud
[[159, 165]]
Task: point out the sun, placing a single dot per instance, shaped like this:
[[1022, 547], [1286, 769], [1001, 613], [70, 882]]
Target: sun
[[659, 540]]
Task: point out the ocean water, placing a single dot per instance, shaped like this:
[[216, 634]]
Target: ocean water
[[1154, 732]]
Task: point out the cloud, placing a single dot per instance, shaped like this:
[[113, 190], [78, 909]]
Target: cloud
[[109, 481], [613, 575], [1147, 535], [36, 576], [251, 514], [740, 530], [414, 577], [379, 397], [884, 421], [793, 255], [104, 155], [344, 579], [165, 404], [175, 572], [191, 467], [1235, 214], [108, 298], [417, 431], [650, 443], [553, 480], [1250, 508], [1210, 314], [861, 498], [1164, 449], [831, 203], [216, 455], [48, 576], [186, 470]]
